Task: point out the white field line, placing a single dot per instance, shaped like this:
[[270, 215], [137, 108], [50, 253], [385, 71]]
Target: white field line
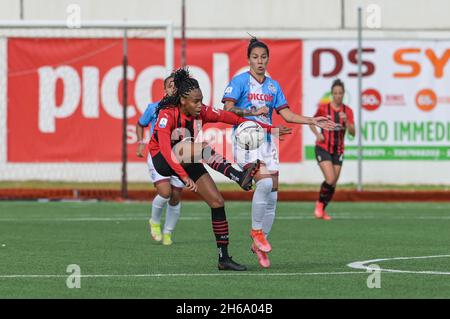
[[264, 274], [363, 265]]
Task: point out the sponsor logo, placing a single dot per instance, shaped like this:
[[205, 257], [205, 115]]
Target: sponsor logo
[[371, 99], [163, 123], [444, 99], [394, 99], [426, 100], [259, 97]]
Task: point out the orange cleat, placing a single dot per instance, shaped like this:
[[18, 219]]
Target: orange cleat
[[260, 240], [326, 216], [263, 258]]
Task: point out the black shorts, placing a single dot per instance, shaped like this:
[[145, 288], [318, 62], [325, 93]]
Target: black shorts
[[194, 170], [322, 155]]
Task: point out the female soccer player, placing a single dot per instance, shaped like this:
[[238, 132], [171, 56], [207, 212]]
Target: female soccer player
[[168, 189], [330, 145], [179, 115], [247, 94]]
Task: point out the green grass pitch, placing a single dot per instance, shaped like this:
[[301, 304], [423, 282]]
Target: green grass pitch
[[111, 244]]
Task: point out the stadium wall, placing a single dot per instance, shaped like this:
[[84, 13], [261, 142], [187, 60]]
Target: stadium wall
[[250, 15]]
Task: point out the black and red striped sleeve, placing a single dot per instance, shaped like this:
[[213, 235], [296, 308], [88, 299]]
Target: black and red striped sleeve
[[164, 126]]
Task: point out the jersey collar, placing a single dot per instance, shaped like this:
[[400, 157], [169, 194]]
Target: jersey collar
[[265, 77]]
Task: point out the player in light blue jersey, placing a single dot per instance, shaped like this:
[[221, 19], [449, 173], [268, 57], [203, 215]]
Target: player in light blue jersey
[[168, 188], [254, 95]]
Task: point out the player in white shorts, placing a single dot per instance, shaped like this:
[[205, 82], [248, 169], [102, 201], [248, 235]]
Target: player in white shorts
[[168, 189], [255, 96]]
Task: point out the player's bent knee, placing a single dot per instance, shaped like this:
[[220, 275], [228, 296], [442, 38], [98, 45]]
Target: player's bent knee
[[217, 202], [166, 193]]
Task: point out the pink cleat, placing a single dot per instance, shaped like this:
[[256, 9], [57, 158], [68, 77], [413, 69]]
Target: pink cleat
[[320, 213], [260, 240], [263, 258]]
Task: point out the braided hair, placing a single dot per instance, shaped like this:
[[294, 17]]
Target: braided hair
[[184, 83], [255, 43]]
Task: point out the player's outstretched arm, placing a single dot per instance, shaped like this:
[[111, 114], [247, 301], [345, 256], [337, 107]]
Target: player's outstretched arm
[[231, 107], [320, 121]]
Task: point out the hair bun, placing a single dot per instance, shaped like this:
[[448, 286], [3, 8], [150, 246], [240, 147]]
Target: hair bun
[[180, 76], [253, 40]]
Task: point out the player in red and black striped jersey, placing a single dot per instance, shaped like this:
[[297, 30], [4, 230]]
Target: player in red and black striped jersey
[[330, 145], [174, 153]]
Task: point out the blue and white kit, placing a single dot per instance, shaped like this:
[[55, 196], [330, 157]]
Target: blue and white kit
[[248, 93]]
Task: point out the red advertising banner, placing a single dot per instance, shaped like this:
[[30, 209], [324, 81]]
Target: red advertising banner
[[65, 100]]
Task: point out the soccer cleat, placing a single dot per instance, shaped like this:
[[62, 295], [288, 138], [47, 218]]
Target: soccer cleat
[[229, 264], [263, 258], [326, 216], [318, 211], [260, 240], [167, 239], [155, 230], [246, 179]]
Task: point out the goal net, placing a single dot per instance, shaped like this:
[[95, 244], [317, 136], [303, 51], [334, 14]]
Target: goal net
[[61, 107]]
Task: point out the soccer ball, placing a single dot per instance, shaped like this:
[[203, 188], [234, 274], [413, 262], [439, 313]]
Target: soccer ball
[[249, 135]]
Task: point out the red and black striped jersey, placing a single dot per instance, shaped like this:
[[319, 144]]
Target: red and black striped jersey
[[334, 140], [173, 125]]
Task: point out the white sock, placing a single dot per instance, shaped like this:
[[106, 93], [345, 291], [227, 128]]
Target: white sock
[[172, 214], [259, 201], [158, 205], [269, 217]]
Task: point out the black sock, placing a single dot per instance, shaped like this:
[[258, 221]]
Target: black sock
[[218, 163], [330, 196], [220, 229], [326, 192]]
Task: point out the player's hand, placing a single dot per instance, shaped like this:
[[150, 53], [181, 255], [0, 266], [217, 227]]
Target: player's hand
[[343, 117], [190, 185], [320, 137], [140, 149], [324, 122], [261, 111], [281, 130]]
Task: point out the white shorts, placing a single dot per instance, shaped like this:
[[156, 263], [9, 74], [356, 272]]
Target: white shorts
[[266, 153], [157, 178]]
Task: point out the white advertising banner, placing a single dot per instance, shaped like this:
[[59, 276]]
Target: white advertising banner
[[406, 96]]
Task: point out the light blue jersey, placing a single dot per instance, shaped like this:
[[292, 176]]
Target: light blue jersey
[[247, 93], [149, 117]]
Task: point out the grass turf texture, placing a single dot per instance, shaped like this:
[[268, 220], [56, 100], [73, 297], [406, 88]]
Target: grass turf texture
[[309, 257]]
